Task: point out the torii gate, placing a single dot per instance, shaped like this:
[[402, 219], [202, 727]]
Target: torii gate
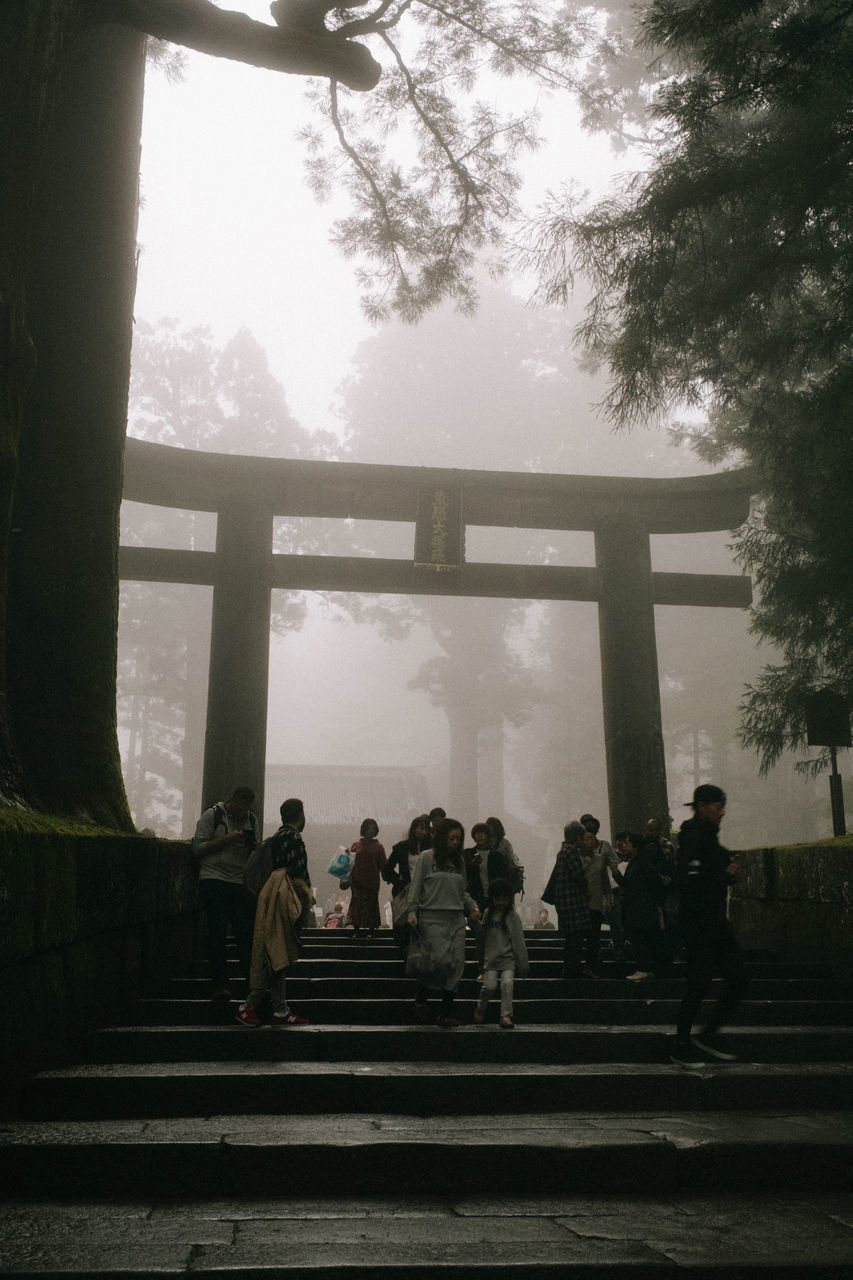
[[248, 493]]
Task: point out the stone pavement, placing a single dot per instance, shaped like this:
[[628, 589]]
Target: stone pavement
[[700, 1236], [361, 1146]]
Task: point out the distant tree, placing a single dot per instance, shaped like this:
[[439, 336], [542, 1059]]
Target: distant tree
[[480, 683], [506, 390], [724, 282], [559, 757]]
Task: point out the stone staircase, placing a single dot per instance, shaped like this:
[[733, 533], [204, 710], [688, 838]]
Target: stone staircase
[[367, 1143]]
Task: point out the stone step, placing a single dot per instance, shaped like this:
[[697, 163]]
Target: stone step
[[193, 1137], [331, 1008], [425, 1237], [365, 961], [427, 1043], [383, 985], [272, 1156], [534, 938], [278, 1088]]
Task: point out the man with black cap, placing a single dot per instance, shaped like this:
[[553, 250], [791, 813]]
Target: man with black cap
[[704, 872]]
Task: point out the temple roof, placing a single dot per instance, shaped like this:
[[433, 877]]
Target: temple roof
[[344, 795]]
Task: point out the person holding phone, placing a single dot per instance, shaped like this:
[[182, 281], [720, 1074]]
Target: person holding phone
[[225, 835]]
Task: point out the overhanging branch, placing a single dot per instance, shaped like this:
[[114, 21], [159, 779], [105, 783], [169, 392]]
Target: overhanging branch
[[221, 33]]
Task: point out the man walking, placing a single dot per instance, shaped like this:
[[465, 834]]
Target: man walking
[[704, 872]]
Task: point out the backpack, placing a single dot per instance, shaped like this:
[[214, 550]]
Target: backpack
[[220, 818], [259, 867], [501, 867]]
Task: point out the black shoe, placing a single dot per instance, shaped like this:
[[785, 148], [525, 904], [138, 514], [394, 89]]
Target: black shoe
[[684, 1055], [710, 1043]]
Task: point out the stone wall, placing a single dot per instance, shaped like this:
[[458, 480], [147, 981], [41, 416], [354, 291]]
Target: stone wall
[[796, 902], [87, 924]]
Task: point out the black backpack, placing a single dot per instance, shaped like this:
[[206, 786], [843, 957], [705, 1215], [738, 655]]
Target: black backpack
[[501, 867], [259, 867]]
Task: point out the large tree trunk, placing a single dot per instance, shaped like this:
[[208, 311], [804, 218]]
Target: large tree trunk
[[32, 42], [462, 794], [491, 770], [63, 577]]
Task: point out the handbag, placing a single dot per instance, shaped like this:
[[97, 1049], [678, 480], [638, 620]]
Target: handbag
[[419, 961], [400, 905], [549, 894], [341, 864]]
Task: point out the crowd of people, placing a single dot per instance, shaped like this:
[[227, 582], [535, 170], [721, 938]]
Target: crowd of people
[[660, 902]]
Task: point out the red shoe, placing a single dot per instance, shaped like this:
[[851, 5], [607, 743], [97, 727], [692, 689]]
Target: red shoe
[[507, 1022], [248, 1016], [479, 1016], [448, 1022], [288, 1019]]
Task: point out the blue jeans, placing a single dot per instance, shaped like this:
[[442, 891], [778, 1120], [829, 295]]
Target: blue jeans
[[226, 904]]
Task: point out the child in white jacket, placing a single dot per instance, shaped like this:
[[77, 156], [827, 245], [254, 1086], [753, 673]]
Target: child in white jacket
[[505, 952]]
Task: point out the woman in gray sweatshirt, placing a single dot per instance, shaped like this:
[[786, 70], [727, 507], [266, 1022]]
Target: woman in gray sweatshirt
[[438, 904]]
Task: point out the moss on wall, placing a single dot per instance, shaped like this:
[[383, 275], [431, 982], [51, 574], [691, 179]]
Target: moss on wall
[[89, 921], [796, 902]]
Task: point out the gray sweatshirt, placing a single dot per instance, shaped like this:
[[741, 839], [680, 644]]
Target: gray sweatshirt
[[435, 890]]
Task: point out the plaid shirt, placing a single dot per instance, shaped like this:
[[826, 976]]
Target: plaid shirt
[[568, 883], [288, 850]]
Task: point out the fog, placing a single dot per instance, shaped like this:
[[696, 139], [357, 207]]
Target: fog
[[231, 240]]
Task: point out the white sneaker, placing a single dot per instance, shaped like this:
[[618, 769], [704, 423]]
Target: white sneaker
[[711, 1044], [684, 1055], [638, 976]]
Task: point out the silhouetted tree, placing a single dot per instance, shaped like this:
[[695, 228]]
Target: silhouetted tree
[[723, 281]]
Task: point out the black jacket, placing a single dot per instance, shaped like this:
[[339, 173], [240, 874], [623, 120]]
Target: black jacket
[[643, 890], [701, 880], [397, 871]]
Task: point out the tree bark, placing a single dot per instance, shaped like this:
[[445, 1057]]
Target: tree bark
[[462, 794], [63, 571], [32, 43]]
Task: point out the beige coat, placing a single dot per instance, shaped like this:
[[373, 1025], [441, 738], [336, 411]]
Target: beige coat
[[275, 943]]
